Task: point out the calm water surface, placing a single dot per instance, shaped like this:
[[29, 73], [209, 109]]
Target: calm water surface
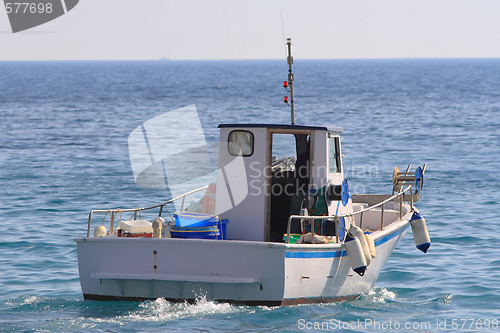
[[63, 151]]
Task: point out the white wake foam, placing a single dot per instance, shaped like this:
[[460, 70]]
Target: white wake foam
[[162, 310], [379, 295]]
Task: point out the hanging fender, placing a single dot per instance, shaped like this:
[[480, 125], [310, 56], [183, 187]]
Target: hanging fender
[[420, 233], [355, 254], [371, 244], [358, 233]]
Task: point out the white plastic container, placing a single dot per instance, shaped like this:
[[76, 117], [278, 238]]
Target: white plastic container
[[136, 226]]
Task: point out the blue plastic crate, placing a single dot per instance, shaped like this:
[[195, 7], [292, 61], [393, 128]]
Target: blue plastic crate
[[194, 219], [211, 232], [217, 230], [222, 225]]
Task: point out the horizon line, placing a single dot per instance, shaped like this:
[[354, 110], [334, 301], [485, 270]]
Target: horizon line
[[167, 60]]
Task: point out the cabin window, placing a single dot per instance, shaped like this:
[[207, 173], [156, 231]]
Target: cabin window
[[334, 154], [240, 143]]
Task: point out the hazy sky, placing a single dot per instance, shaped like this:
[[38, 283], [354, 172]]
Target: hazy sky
[[252, 29]]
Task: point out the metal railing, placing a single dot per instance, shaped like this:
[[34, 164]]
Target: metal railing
[[116, 211], [336, 218]]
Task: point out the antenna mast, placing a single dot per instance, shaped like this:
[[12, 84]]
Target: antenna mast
[[289, 84]]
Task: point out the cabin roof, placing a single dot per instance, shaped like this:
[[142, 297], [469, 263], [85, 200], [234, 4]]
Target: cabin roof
[[281, 126]]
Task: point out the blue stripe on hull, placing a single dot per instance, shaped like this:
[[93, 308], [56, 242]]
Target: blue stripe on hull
[[391, 236], [329, 254]]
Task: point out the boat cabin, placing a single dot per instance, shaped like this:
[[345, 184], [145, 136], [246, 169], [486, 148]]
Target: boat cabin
[[269, 172]]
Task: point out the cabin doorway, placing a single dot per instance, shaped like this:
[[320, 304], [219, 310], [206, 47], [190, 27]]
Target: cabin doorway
[[290, 176]]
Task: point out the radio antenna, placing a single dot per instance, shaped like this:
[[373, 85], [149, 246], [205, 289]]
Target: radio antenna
[[283, 30], [288, 85]]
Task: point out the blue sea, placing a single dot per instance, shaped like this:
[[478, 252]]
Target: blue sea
[[63, 151]]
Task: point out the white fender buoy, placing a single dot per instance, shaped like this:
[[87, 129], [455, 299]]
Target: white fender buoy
[[167, 228], [358, 233], [355, 254], [420, 233], [100, 231], [157, 225], [371, 244]]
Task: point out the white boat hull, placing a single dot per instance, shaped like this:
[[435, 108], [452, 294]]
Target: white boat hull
[[241, 272]]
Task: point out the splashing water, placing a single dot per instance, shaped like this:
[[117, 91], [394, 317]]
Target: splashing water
[[162, 310], [446, 299], [379, 295], [31, 300]]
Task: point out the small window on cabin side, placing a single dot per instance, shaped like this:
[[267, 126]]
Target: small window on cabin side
[[334, 154], [240, 143]]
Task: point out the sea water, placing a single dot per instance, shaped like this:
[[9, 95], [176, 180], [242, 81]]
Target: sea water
[[63, 151]]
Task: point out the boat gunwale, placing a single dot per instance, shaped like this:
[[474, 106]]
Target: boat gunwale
[[377, 235]]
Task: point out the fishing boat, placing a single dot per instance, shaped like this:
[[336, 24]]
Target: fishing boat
[[271, 230]]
